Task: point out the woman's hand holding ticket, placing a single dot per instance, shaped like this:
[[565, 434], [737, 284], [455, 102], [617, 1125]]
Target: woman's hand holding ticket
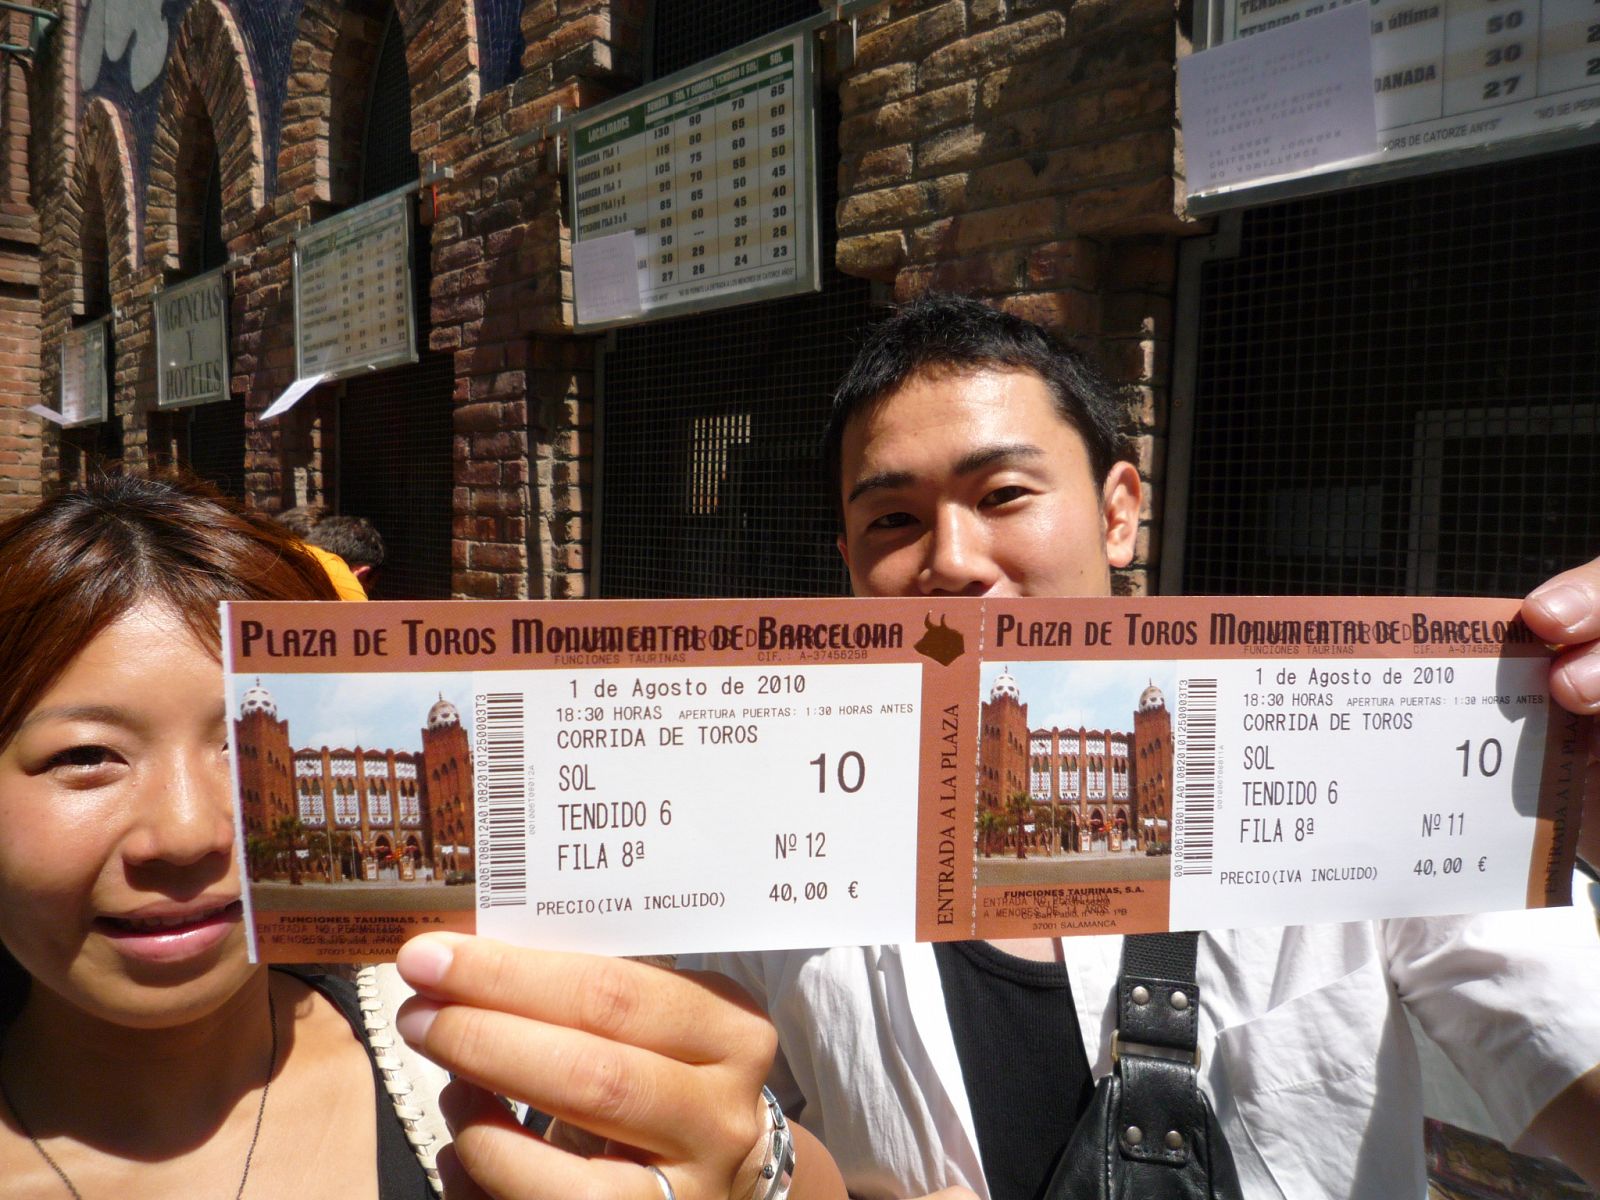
[[665, 1067]]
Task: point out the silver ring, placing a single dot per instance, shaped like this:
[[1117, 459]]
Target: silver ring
[[662, 1182]]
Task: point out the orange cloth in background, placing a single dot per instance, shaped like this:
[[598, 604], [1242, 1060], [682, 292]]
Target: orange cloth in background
[[343, 578]]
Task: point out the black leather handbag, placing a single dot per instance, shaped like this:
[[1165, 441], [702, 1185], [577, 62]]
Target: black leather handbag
[[1149, 1132]]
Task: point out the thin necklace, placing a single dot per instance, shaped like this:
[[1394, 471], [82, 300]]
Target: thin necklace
[[272, 1065]]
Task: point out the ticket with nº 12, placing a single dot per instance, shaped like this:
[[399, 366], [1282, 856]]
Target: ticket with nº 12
[[639, 777]]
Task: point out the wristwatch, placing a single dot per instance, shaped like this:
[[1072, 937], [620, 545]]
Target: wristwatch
[[777, 1168]]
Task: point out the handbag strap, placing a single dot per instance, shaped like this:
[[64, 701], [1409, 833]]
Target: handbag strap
[[1155, 1048], [1158, 1001]]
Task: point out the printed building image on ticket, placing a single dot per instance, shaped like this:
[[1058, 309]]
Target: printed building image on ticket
[[662, 777], [1075, 779], [355, 791]]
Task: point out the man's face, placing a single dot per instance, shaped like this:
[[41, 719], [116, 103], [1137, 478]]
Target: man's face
[[969, 483]]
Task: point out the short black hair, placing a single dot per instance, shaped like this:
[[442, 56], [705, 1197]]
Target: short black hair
[[301, 519], [354, 539], [944, 332]]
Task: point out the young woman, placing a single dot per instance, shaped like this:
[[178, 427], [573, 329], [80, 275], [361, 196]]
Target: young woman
[[140, 1053]]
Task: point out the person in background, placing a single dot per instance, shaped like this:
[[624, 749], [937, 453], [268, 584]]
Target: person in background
[[300, 521], [356, 541]]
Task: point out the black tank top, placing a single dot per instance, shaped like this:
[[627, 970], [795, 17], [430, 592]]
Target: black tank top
[[400, 1175], [1022, 1060]]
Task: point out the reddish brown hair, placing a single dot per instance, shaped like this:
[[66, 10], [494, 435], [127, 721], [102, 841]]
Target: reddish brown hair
[[80, 560]]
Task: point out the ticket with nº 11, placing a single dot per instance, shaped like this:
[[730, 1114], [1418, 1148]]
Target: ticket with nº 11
[[639, 777]]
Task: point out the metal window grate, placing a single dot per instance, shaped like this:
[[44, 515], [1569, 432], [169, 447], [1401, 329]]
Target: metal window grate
[[709, 477], [387, 161], [215, 432], [395, 469], [1398, 388], [216, 444], [684, 32], [396, 427]]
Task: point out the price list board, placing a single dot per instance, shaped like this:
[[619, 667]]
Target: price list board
[[699, 191], [1454, 75], [353, 291], [84, 380]]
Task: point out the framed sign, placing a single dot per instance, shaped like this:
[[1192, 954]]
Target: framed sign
[[698, 191], [85, 382], [192, 341], [353, 291], [1454, 82]]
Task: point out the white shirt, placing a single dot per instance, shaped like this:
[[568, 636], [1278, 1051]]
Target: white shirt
[[1306, 1053]]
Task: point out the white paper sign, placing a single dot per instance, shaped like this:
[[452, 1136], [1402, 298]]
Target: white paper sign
[[606, 276], [291, 396], [1286, 102]]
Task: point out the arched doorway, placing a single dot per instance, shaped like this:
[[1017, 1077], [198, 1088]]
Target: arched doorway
[[211, 437], [395, 427]]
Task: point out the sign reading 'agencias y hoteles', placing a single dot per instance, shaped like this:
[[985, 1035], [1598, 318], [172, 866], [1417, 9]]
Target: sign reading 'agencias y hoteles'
[[192, 341]]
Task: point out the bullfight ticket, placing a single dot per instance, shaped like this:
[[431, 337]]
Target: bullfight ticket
[[639, 777]]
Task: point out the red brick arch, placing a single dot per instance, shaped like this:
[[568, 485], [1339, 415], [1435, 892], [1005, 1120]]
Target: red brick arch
[[103, 167], [442, 59], [336, 44], [208, 77]]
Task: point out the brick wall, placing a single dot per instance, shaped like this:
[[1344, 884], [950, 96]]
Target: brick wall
[[19, 286], [1026, 152], [1021, 150], [503, 307]]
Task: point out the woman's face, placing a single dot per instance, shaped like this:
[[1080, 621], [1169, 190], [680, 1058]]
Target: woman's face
[[119, 890]]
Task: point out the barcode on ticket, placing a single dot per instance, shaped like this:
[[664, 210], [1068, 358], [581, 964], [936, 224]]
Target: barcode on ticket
[[1196, 818], [503, 842]]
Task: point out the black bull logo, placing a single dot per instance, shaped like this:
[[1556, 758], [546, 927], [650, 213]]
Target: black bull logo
[[940, 643]]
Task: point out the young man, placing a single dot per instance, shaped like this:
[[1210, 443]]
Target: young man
[[973, 456]]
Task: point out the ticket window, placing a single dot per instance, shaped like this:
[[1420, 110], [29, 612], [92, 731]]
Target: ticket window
[[395, 427], [709, 484], [1397, 389], [211, 436]]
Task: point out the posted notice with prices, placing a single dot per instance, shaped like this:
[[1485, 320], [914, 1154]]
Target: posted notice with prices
[[657, 777]]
